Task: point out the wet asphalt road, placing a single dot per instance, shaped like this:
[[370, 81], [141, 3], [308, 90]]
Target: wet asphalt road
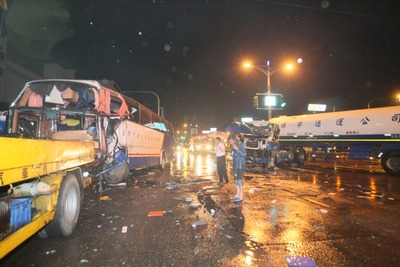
[[339, 216]]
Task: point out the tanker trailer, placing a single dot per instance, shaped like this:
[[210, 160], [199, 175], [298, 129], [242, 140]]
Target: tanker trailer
[[367, 133]]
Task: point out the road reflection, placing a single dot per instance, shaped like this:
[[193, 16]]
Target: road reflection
[[279, 218], [191, 165]]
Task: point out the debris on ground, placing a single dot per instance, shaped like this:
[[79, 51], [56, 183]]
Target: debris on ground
[[254, 190], [120, 184], [199, 223], [300, 261], [322, 210], [51, 252], [318, 228], [84, 261], [194, 205], [105, 198], [212, 211], [156, 213]]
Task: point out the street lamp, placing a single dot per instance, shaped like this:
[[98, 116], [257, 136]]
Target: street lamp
[[149, 92], [268, 71]]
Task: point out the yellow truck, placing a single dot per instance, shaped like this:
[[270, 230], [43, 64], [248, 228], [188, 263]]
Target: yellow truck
[[41, 188], [57, 136]]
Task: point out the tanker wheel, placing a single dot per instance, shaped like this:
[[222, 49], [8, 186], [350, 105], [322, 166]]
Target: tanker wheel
[[300, 156], [117, 174], [67, 210], [291, 155], [391, 163]]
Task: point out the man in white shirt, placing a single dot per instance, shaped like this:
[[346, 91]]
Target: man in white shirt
[[221, 161]]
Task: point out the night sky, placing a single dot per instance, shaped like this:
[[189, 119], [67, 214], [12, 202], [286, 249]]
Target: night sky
[[191, 52]]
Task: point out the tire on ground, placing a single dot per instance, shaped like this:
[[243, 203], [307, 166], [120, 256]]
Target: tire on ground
[[300, 155], [117, 174], [391, 163], [67, 210], [163, 161]]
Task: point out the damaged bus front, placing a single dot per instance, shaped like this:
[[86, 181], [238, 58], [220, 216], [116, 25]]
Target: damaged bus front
[[125, 133]]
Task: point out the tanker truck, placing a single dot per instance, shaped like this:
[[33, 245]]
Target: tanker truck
[[365, 133]]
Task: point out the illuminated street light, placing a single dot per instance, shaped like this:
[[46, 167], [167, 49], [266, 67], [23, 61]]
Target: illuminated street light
[[268, 71]]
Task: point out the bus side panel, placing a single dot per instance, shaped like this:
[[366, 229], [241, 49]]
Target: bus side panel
[[144, 145]]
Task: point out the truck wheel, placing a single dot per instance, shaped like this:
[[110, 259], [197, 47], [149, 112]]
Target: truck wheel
[[163, 161], [117, 174], [67, 210], [300, 156], [291, 155], [391, 163]]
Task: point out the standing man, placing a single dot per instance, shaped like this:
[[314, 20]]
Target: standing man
[[239, 165], [221, 162]]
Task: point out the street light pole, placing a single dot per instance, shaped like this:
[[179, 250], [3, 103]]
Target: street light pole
[[148, 92], [268, 72], [269, 88]]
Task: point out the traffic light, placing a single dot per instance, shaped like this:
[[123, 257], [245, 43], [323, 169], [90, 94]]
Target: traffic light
[[269, 101], [255, 101]]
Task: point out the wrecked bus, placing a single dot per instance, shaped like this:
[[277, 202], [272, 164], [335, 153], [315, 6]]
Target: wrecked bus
[[126, 134]]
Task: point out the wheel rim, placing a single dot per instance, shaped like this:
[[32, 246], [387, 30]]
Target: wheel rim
[[71, 204], [301, 156], [393, 163], [164, 161], [291, 155]]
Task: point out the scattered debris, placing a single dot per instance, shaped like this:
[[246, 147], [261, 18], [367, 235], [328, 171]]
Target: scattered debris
[[84, 261], [124, 229], [228, 236], [51, 252], [188, 199], [274, 201], [172, 186], [194, 206], [199, 223], [364, 197], [156, 213], [212, 211], [254, 190], [322, 210], [120, 184], [196, 250], [105, 198], [201, 181], [300, 261], [319, 228]]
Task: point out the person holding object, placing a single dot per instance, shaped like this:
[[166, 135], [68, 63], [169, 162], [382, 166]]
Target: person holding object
[[238, 153], [221, 161]]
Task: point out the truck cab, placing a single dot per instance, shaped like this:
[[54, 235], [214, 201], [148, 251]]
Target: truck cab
[[260, 145]]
